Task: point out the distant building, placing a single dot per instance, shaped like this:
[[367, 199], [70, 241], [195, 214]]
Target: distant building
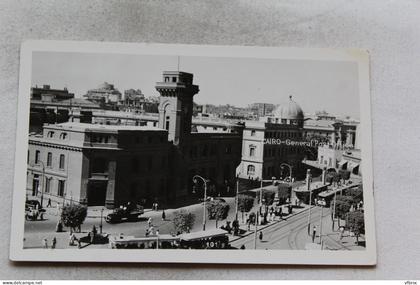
[[262, 109], [45, 93], [57, 106], [106, 95], [327, 128], [330, 157]]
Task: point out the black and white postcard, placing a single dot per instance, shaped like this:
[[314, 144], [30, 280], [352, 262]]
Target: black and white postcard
[[196, 154]]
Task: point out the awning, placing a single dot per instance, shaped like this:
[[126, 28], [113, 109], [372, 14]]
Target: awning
[[343, 164], [353, 167]]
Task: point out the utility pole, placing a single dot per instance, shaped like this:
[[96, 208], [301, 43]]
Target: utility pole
[[333, 215], [308, 186], [256, 230], [205, 197], [261, 189], [320, 224], [237, 197]]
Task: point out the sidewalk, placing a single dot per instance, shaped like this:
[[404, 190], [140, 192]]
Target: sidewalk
[[331, 239]]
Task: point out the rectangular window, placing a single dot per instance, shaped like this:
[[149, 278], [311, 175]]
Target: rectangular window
[[61, 186], [62, 161], [37, 154], [49, 159], [47, 185], [251, 151]]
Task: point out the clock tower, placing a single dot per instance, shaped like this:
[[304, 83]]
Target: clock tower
[[176, 104]]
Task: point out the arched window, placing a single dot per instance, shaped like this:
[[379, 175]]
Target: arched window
[[252, 150], [251, 169], [62, 161]]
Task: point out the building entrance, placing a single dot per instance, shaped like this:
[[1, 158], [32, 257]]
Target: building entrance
[[97, 193]]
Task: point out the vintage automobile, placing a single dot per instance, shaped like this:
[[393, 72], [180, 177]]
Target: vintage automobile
[[33, 210], [125, 213]]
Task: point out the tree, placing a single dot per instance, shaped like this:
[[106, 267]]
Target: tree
[[245, 203], [342, 207], [355, 221], [268, 197], [217, 210], [356, 194], [183, 221], [73, 215]]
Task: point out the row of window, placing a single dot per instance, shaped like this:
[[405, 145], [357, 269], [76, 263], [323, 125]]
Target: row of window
[[51, 134], [269, 171], [282, 135], [60, 190], [61, 164]]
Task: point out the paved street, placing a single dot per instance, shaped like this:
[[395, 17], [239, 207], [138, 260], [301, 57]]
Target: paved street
[[35, 231], [288, 233], [292, 234]]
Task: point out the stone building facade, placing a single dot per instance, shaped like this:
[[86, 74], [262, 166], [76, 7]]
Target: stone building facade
[[109, 165]]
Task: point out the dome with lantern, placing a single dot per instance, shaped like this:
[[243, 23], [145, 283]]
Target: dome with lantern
[[289, 113]]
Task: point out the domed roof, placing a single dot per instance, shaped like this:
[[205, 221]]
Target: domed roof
[[106, 86], [290, 110]]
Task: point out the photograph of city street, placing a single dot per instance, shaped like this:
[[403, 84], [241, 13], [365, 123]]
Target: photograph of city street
[[146, 152]]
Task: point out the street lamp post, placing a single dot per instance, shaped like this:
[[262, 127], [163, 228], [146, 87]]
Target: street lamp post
[[100, 226], [205, 196], [237, 197], [320, 224], [333, 220], [308, 183], [256, 229]]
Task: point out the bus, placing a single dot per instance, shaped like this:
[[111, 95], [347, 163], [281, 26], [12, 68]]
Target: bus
[[210, 239]]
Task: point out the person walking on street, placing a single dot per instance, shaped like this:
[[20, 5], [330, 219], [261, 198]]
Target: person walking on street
[[260, 236], [49, 203], [163, 215], [45, 242], [341, 232], [313, 234], [149, 222], [54, 242]]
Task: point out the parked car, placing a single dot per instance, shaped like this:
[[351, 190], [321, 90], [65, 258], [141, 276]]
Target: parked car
[[125, 213], [33, 204]]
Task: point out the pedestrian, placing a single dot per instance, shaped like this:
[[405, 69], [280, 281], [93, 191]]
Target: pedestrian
[[156, 206], [313, 234], [149, 222], [341, 232], [72, 239], [163, 215], [261, 236], [45, 242], [54, 242], [94, 230], [49, 203]]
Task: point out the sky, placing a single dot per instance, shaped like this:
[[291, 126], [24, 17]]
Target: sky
[[315, 85]]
